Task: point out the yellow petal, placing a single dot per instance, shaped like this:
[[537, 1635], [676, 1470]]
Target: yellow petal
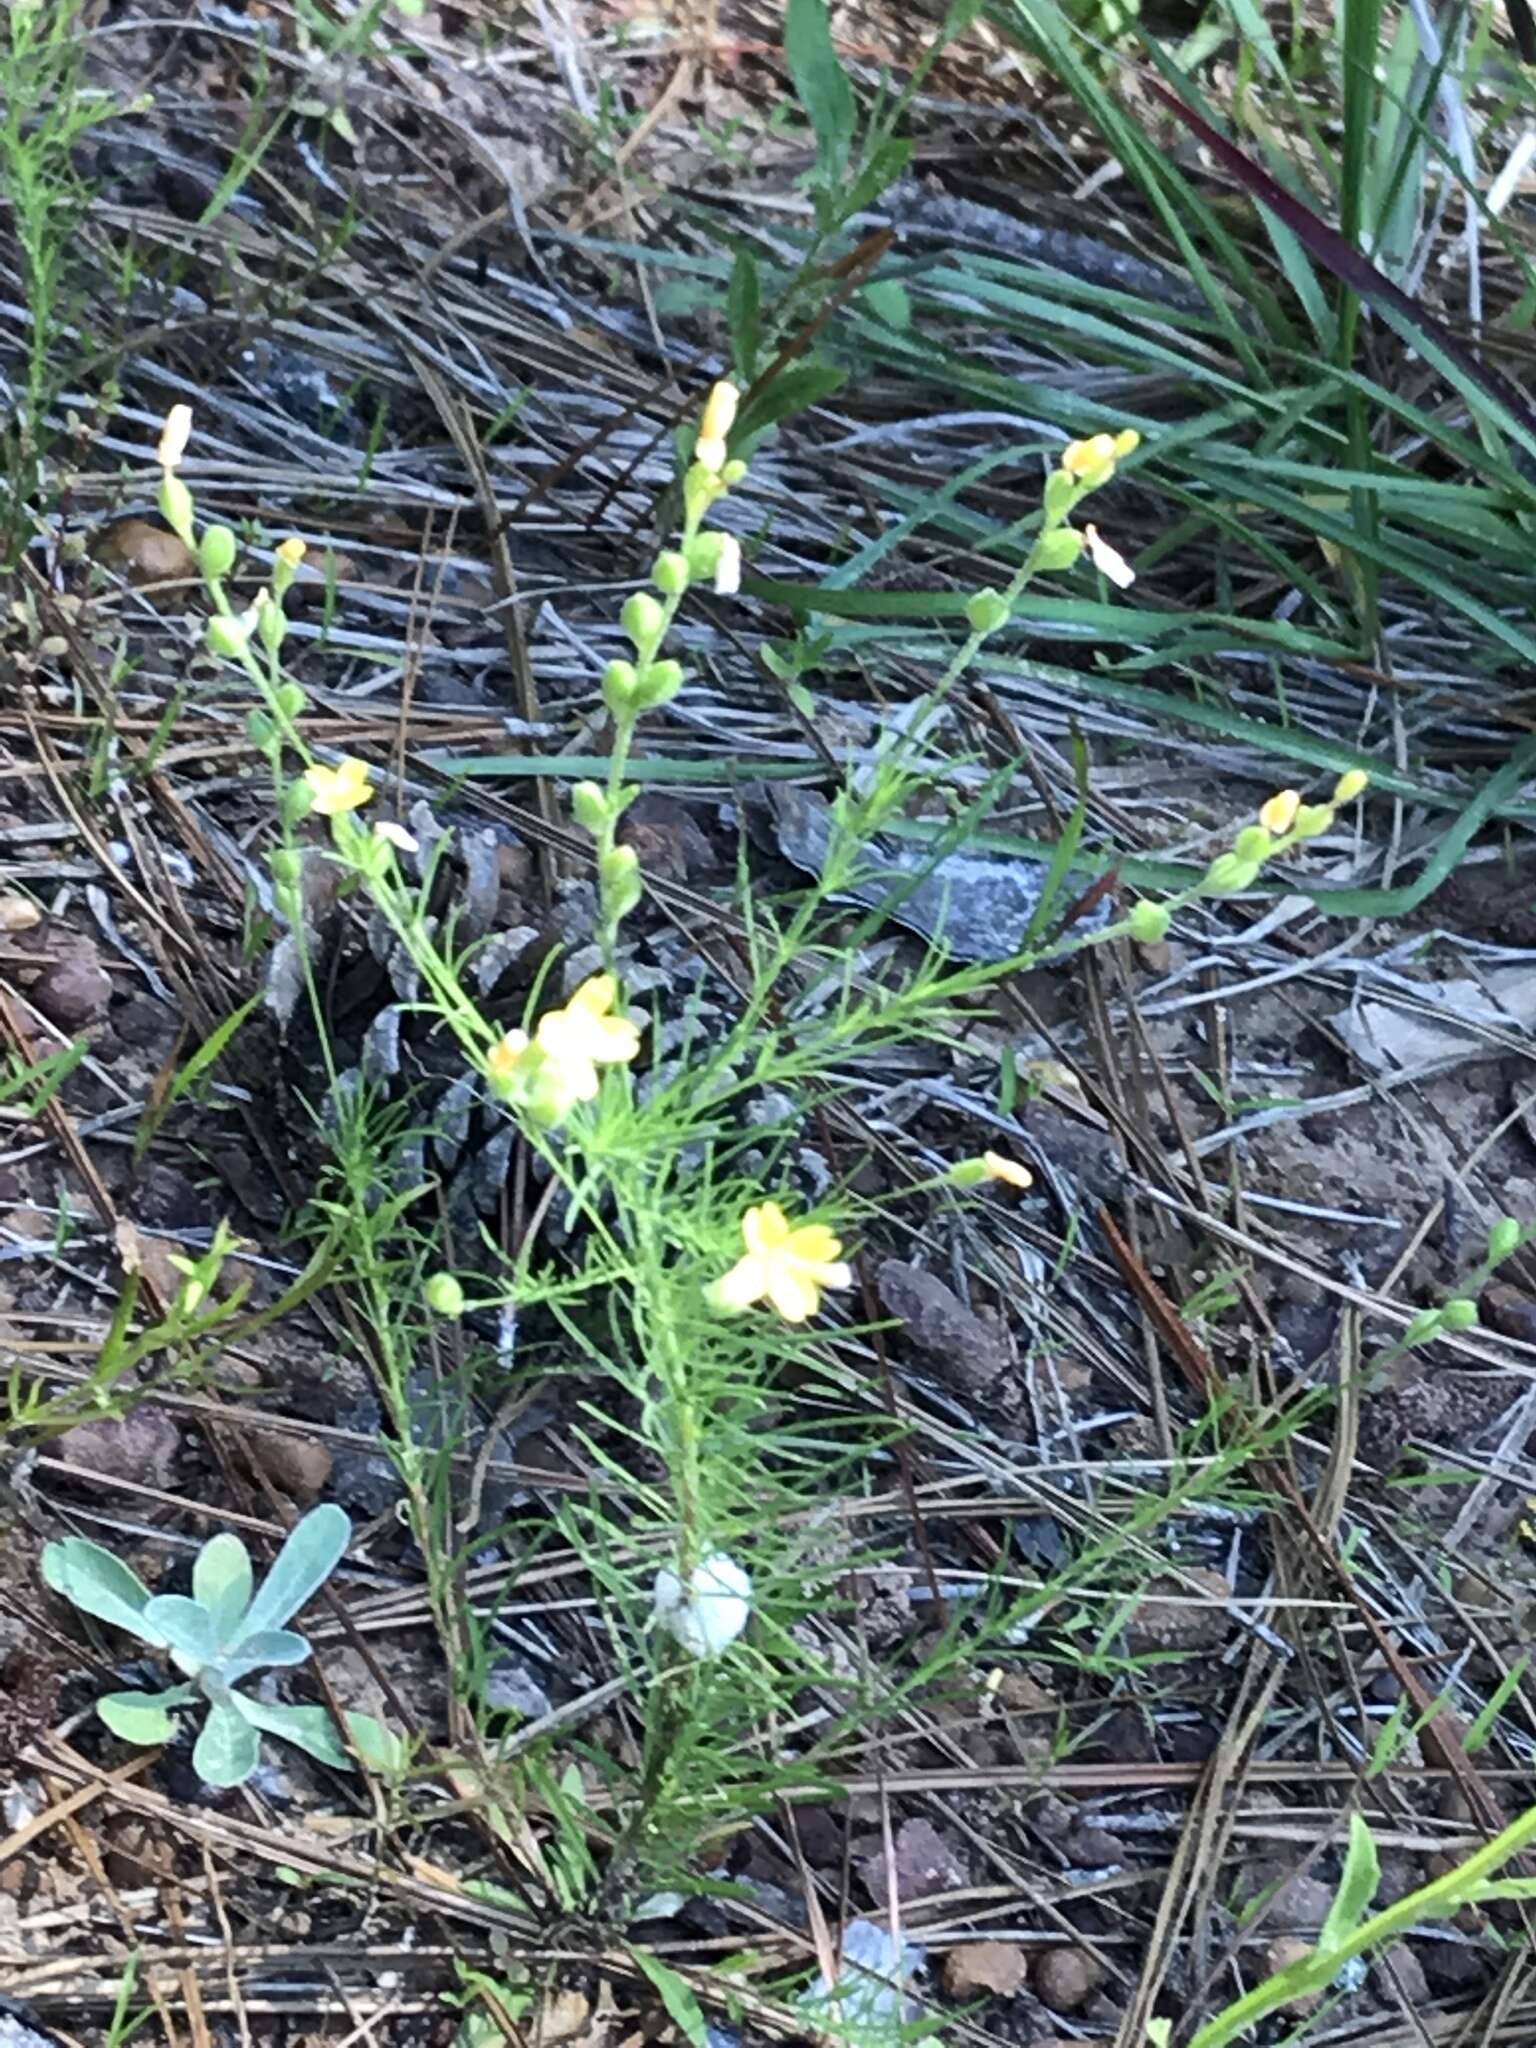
[[1279, 813], [836, 1273], [506, 1055], [792, 1292], [1350, 785], [1009, 1170], [765, 1228], [814, 1243], [596, 995]]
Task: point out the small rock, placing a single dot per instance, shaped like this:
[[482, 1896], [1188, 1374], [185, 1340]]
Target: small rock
[[974, 1352], [141, 1446], [75, 990], [144, 553], [994, 1968], [1398, 1973], [1454, 1967], [1172, 1615], [297, 1466], [18, 914], [512, 1688], [1298, 1904], [925, 1864], [1067, 1978], [1283, 1954], [1091, 1848]]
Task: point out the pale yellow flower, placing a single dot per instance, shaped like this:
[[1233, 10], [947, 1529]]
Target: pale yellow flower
[[335, 790], [786, 1266], [1009, 1170], [586, 1032], [1094, 457], [174, 436], [1350, 785], [1278, 815], [719, 417], [292, 551]]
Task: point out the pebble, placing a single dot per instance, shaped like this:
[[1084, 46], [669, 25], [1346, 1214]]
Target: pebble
[[18, 914], [977, 1968], [142, 1446], [1298, 1905], [1398, 1973], [75, 990], [297, 1466], [1067, 1978], [144, 553], [1186, 1612]]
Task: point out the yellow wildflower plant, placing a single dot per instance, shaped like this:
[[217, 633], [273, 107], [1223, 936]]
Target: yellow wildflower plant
[[786, 1265], [334, 791]]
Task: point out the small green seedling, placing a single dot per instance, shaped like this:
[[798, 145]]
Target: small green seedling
[[225, 1631]]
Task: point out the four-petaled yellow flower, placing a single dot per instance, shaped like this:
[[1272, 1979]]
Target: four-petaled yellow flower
[[788, 1266], [586, 1033], [1278, 815], [335, 790]]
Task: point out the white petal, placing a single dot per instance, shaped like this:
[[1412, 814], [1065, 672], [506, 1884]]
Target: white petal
[[717, 1608], [1107, 560]]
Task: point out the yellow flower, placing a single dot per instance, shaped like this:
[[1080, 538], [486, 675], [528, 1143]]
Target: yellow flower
[[1009, 1170], [292, 551], [719, 417], [586, 1033], [788, 1267], [545, 1088], [174, 436], [1093, 458], [334, 790], [1350, 785], [1279, 814], [1127, 441]]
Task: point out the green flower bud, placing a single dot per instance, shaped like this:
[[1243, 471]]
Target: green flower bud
[[733, 472], [287, 866], [1310, 820], [670, 573], [292, 701], [620, 683], [986, 610], [227, 636], [703, 553], [176, 504], [659, 683], [1229, 875], [1253, 843], [1459, 1313], [1504, 1240], [271, 624], [261, 730], [1149, 921], [619, 879], [1060, 490], [643, 621], [589, 806], [216, 552], [444, 1295], [1058, 549], [1425, 1324]]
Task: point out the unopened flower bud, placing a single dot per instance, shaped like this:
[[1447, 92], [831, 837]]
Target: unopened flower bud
[[216, 552], [1503, 1240], [1149, 922], [1350, 784], [176, 505], [444, 1295], [1312, 819], [987, 610], [1229, 874], [1459, 1313], [1058, 549], [659, 682], [589, 806], [227, 635], [670, 573], [642, 620], [620, 680], [1253, 843]]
